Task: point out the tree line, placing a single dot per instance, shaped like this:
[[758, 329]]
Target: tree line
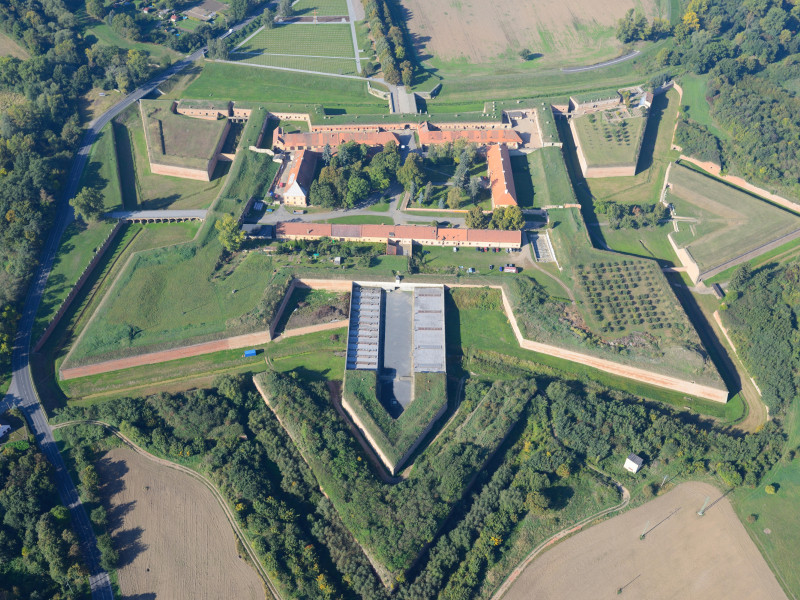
[[40, 555], [394, 54]]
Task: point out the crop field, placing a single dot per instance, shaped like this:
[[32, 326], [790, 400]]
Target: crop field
[[725, 222], [712, 555], [322, 8], [156, 192], [308, 40], [541, 178], [608, 140], [172, 536], [477, 32]]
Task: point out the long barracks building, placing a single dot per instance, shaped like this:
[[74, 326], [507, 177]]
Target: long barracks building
[[403, 234]]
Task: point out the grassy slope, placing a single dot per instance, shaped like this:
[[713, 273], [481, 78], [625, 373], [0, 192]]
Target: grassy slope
[[478, 329], [235, 82], [778, 513], [8, 47], [77, 249], [542, 180], [156, 192], [694, 97], [104, 34]]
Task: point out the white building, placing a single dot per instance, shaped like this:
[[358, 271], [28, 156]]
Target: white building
[[4, 429], [633, 463]]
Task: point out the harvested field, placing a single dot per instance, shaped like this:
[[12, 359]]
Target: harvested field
[[474, 32], [173, 538], [683, 555]]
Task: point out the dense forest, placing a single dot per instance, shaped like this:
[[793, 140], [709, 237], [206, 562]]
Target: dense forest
[[750, 51], [39, 552], [762, 317], [559, 427]]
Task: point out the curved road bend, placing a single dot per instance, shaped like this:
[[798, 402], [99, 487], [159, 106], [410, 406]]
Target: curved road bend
[[21, 392]]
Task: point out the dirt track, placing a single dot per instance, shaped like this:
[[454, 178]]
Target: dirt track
[[174, 540], [682, 556]]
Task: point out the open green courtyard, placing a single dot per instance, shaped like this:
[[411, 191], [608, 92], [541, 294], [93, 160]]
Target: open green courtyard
[[609, 138]]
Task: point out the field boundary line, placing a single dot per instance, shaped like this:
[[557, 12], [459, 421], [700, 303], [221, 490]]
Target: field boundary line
[[606, 63], [257, 53], [250, 37], [558, 536], [198, 477]]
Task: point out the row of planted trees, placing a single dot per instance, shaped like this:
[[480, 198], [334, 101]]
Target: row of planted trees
[[390, 43]]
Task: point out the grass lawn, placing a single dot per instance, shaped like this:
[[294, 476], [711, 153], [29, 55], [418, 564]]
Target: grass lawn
[[8, 47], [337, 66], [442, 260], [310, 40], [104, 34], [315, 354], [607, 143], [471, 331], [379, 207], [223, 81], [541, 178], [780, 254], [777, 514], [694, 96], [726, 222], [102, 170], [166, 297], [322, 8], [647, 242], [157, 192], [77, 249]]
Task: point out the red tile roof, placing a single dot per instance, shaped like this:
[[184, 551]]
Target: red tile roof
[[502, 178], [303, 169], [452, 235], [428, 136], [304, 229], [318, 139], [494, 236]]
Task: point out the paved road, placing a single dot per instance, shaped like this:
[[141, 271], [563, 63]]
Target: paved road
[[21, 392], [607, 63], [350, 12]]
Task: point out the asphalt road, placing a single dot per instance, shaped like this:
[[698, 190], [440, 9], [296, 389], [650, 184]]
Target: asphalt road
[[21, 392]]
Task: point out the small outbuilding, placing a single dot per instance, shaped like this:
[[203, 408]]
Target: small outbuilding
[[633, 463], [4, 429]]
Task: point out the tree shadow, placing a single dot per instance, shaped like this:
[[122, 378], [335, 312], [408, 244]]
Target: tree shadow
[[650, 137], [129, 545], [559, 496]]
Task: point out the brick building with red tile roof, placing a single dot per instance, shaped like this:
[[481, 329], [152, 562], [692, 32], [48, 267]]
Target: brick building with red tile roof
[[317, 140], [428, 135], [298, 181], [421, 234], [501, 177]]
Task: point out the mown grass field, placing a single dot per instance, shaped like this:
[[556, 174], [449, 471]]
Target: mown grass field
[[168, 296], [777, 513], [224, 81], [694, 97], [322, 8], [541, 178], [726, 222], [107, 36], [311, 40], [337, 66], [606, 143]]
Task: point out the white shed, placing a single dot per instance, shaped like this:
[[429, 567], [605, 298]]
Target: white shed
[[4, 429], [633, 463]]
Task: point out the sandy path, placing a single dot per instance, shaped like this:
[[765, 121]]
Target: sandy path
[[174, 540], [683, 556]]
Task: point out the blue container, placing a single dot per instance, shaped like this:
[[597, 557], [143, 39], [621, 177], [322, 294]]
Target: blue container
[[249, 353]]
